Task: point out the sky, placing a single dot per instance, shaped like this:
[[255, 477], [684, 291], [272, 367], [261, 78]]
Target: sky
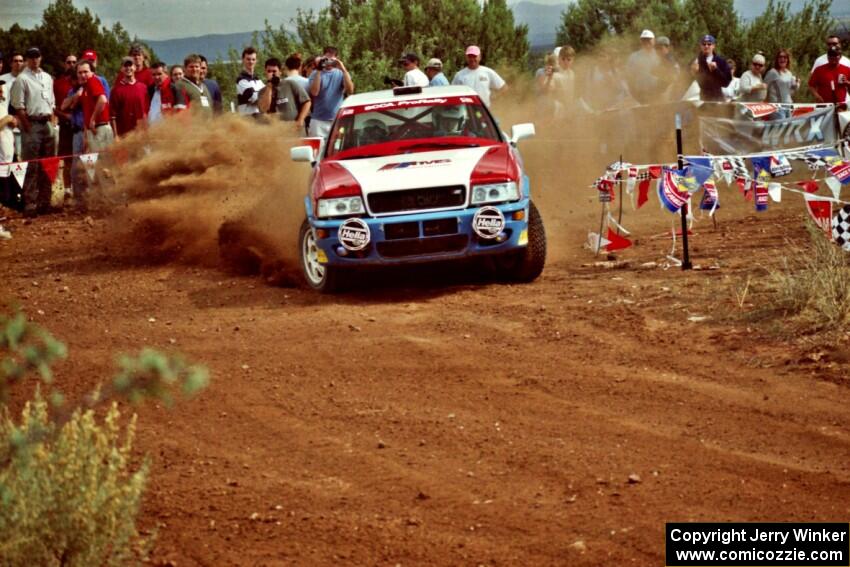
[[167, 19]]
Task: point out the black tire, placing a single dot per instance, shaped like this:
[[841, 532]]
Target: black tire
[[329, 278], [527, 264]]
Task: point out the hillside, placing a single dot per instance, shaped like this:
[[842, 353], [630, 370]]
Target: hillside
[[211, 46]]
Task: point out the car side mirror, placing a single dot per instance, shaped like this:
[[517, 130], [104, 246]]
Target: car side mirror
[[521, 132], [302, 153]]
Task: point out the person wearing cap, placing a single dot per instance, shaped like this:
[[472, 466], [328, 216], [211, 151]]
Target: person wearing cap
[[482, 79], [753, 88], [128, 102], [32, 98], [642, 68], [413, 75], [829, 82], [668, 71], [434, 72], [711, 71], [329, 83]]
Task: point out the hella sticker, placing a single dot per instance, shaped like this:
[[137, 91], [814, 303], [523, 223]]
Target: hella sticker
[[488, 222], [354, 234], [408, 164]]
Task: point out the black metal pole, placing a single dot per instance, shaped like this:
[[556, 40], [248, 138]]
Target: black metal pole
[[686, 258]]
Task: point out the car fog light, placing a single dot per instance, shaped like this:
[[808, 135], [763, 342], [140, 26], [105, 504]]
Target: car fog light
[[341, 251], [502, 237]]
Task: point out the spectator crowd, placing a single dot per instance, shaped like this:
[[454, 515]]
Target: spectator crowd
[[92, 112]]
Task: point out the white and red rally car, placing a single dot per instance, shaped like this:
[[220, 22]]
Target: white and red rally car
[[415, 175]]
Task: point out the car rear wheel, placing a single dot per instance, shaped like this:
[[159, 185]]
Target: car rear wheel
[[321, 277], [527, 264]]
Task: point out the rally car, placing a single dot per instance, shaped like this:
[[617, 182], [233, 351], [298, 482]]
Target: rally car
[[415, 175]]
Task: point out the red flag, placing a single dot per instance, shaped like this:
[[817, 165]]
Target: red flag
[[655, 171], [604, 185], [810, 186], [643, 192], [616, 242], [821, 213], [50, 167]]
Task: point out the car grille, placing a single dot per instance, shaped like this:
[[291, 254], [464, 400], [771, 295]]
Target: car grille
[[422, 246], [417, 199]]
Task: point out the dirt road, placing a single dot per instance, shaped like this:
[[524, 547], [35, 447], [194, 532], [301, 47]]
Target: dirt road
[[437, 419]]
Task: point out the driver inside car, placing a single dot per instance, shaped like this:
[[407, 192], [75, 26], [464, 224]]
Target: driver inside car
[[374, 131], [449, 120]]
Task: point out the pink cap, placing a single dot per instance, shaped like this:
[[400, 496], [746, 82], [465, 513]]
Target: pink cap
[[473, 50], [90, 54]]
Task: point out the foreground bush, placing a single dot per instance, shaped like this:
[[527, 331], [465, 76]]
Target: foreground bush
[[69, 494], [72, 498], [814, 283]]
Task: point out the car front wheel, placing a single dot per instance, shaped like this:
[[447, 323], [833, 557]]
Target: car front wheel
[[321, 277]]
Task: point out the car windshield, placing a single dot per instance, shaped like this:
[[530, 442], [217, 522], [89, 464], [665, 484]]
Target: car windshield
[[401, 126]]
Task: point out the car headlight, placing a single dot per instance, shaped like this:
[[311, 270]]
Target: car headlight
[[340, 207], [494, 193]]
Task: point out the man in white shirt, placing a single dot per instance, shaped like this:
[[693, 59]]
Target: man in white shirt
[[248, 84], [413, 76], [482, 79], [831, 41]]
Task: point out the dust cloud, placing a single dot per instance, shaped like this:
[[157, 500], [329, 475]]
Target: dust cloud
[[172, 189]]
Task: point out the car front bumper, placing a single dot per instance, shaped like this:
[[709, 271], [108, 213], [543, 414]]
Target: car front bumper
[[423, 237]]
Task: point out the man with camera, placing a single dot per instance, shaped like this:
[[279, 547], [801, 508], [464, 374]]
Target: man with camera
[[329, 84], [284, 97]]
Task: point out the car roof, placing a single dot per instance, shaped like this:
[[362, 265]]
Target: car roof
[[388, 96]]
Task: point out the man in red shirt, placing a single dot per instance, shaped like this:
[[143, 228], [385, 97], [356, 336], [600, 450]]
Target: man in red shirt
[[128, 102], [92, 95], [829, 82]]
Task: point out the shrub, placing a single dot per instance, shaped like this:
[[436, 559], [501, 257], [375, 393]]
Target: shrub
[[68, 492], [71, 498], [813, 283]]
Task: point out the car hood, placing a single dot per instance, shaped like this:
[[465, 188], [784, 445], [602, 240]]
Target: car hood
[[415, 170]]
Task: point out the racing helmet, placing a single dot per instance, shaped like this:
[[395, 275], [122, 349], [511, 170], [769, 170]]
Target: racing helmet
[[374, 131], [449, 120]]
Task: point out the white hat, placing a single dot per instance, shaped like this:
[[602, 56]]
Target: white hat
[[647, 34], [758, 58], [556, 51]]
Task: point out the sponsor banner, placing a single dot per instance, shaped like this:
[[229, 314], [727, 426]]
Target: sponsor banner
[[741, 137], [399, 104]]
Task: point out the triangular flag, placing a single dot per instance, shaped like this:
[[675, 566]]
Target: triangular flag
[[632, 179], [654, 171], [834, 186], [595, 243], [50, 167], [616, 242], [810, 186], [821, 212], [643, 192], [19, 171], [774, 190], [89, 161], [710, 201], [761, 195]]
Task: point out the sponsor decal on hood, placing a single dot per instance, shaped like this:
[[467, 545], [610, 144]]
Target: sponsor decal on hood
[[421, 163]]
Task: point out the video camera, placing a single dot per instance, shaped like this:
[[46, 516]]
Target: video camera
[[326, 63], [275, 80]]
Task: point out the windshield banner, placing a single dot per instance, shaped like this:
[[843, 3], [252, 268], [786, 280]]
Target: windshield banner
[[807, 126], [398, 104]]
